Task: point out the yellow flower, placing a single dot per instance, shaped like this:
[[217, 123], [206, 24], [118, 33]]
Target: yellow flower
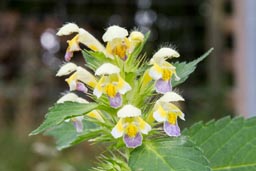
[[117, 42], [130, 126], [77, 121], [111, 84], [82, 36], [135, 39], [79, 77], [165, 111], [162, 71]]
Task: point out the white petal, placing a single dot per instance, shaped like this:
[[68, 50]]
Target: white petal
[[114, 32], [81, 100], [157, 116], [107, 68], [97, 92], [80, 118], [66, 69], [72, 85], [170, 97], [68, 97], [68, 29], [136, 36], [71, 97], [89, 40], [182, 117], [118, 130], [146, 126], [154, 74], [166, 52], [125, 88], [85, 76], [128, 111]]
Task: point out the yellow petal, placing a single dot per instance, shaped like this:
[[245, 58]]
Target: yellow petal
[[118, 130], [86, 77], [155, 72], [73, 44], [99, 88], [123, 86], [90, 41], [96, 115], [144, 126]]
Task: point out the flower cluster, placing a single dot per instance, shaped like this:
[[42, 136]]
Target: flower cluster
[[122, 83]]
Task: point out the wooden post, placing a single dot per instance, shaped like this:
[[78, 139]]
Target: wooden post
[[245, 57]]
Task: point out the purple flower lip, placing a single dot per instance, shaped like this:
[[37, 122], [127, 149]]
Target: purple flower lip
[[68, 56], [115, 101], [163, 86], [133, 142], [78, 124], [171, 130], [81, 87]]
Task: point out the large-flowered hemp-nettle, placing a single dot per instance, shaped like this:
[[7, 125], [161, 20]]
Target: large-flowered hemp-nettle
[[116, 78], [128, 99]]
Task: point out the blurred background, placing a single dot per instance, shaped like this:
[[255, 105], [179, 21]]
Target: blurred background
[[30, 54]]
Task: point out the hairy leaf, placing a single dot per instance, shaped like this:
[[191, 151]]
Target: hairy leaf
[[59, 112], [184, 69], [174, 154], [229, 144]]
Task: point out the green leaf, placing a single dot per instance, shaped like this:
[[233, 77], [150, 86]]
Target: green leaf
[[229, 144], [94, 59], [184, 69], [59, 112], [174, 154], [65, 133]]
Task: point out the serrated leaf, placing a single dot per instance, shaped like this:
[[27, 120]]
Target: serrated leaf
[[176, 154], [229, 144], [59, 112], [184, 69], [65, 134]]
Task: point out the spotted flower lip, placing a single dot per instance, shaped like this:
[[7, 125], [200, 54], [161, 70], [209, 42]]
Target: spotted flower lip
[[114, 32], [130, 126]]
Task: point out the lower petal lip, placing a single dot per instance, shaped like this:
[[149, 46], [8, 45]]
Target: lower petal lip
[[133, 142], [163, 86], [115, 101]]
